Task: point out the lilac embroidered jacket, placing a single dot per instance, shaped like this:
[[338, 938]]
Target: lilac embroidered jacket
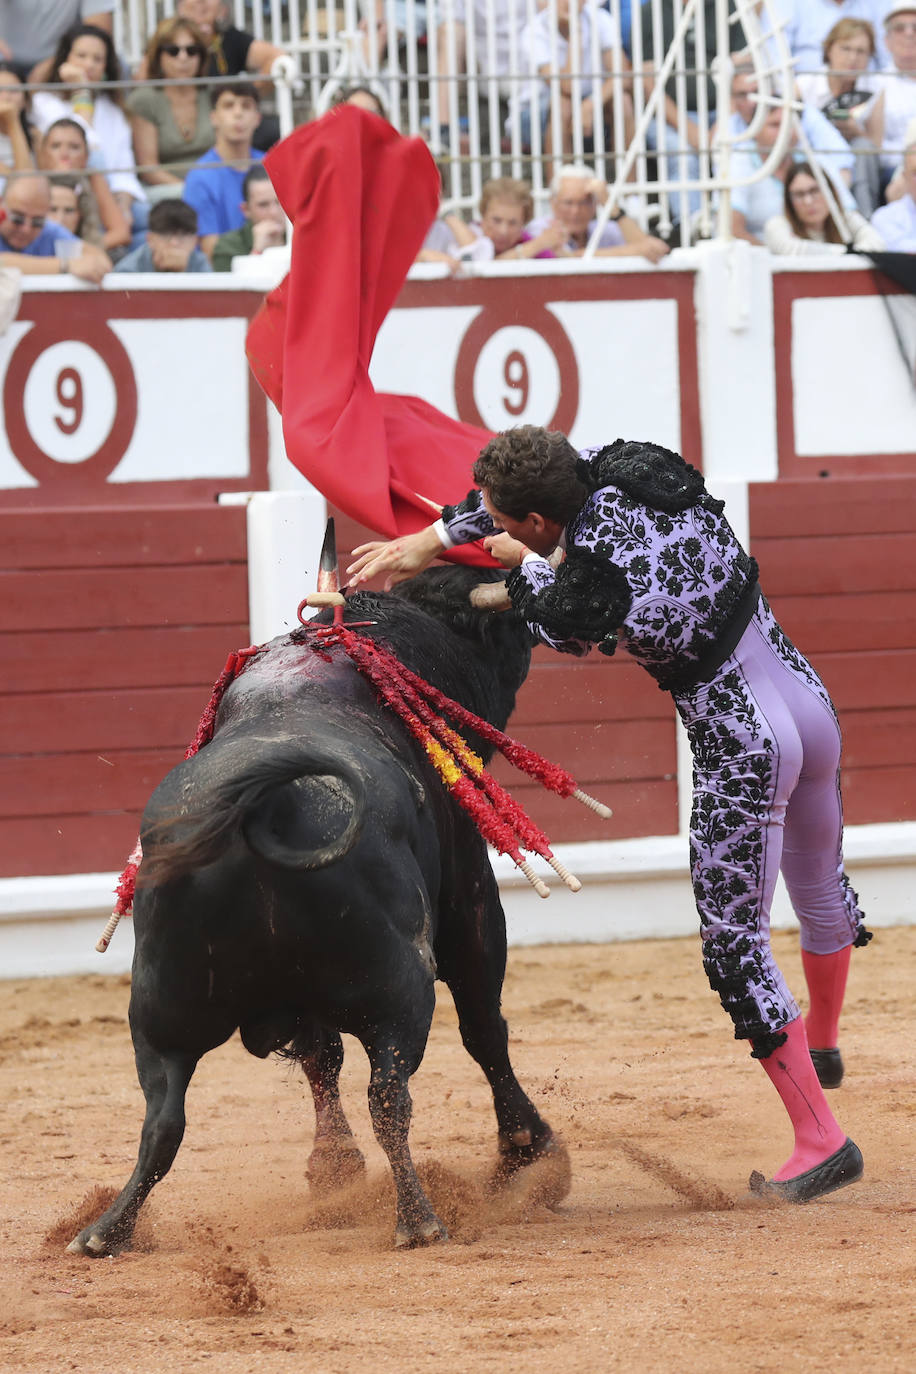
[[685, 572]]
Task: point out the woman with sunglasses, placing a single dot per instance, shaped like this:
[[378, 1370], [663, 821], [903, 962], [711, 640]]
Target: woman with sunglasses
[[807, 226], [171, 124]]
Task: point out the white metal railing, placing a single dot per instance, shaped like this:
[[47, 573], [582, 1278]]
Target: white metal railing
[[474, 90]]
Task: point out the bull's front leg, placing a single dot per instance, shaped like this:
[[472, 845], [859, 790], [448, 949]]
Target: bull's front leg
[[471, 954], [164, 1079], [390, 1107], [335, 1158]]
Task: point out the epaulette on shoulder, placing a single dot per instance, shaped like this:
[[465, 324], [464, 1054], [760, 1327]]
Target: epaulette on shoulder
[[655, 476]]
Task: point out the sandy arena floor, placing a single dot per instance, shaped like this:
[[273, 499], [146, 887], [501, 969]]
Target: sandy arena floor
[[657, 1261]]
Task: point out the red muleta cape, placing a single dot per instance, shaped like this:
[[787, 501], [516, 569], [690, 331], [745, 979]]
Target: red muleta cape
[[361, 199]]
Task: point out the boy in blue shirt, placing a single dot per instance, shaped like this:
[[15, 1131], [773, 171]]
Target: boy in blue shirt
[[214, 184]]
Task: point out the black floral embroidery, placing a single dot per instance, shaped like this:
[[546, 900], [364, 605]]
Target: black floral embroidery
[[469, 520], [677, 582], [653, 475]]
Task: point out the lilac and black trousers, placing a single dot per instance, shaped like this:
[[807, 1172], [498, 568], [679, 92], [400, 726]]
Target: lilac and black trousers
[[766, 796]]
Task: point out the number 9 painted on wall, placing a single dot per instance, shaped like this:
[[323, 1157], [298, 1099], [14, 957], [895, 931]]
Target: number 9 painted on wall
[[516, 376], [69, 391], [523, 373], [70, 405]]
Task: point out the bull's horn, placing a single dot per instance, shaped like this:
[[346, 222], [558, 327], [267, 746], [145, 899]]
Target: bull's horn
[[490, 596]]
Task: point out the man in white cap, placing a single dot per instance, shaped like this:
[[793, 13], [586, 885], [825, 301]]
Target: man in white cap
[[896, 104]]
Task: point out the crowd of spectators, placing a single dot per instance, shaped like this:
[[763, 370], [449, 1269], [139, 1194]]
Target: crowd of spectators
[[102, 168], [157, 169]]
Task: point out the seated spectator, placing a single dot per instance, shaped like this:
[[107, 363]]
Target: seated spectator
[[171, 242], [171, 124], [807, 226], [552, 54], [64, 154], [31, 32], [231, 52], [15, 134], [505, 208], [214, 185], [87, 54], [896, 223], [65, 205], [264, 227], [829, 145], [683, 164], [896, 106], [755, 203], [808, 23], [364, 97], [576, 194], [846, 96], [450, 46], [29, 237]]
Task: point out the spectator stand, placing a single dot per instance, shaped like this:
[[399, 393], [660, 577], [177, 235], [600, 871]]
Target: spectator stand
[[468, 96], [466, 89]]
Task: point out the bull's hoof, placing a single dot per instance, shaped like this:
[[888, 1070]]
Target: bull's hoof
[[425, 1233], [545, 1162], [91, 1243], [333, 1164]]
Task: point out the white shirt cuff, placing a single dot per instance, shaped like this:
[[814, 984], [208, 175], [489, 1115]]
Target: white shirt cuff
[[443, 535]]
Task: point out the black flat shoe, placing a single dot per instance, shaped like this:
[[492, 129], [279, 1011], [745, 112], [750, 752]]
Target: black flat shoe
[[843, 1166], [828, 1065]]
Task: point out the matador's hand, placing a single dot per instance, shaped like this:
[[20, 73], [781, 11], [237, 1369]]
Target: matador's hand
[[507, 551], [400, 558]]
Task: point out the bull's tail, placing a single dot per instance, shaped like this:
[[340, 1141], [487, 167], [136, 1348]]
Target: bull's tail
[[245, 785]]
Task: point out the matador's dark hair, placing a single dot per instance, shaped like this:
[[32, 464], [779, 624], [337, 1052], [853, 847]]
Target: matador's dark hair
[[531, 469]]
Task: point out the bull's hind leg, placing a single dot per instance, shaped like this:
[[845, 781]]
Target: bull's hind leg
[[335, 1157], [471, 955], [164, 1079]]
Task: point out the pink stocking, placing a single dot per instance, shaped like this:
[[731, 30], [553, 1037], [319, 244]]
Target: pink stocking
[[817, 1135], [825, 975]]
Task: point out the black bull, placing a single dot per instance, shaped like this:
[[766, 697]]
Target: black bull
[[307, 873]]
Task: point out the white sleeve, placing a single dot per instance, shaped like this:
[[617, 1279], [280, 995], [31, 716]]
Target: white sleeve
[[119, 150], [780, 237], [535, 43], [864, 235], [443, 535], [608, 37]]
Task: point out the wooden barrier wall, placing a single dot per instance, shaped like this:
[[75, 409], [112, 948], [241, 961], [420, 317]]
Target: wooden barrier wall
[[838, 564], [116, 624]]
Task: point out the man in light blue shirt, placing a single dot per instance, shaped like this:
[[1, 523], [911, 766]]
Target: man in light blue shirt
[[753, 204], [29, 239], [896, 223], [214, 185]]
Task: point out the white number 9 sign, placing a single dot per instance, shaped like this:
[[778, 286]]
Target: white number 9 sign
[[70, 405], [517, 374]]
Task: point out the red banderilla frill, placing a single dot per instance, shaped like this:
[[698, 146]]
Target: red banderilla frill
[[499, 818], [502, 822], [235, 663]]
